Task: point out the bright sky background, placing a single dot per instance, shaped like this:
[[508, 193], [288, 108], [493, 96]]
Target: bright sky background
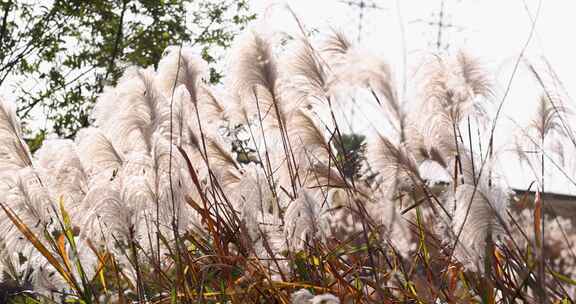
[[495, 31]]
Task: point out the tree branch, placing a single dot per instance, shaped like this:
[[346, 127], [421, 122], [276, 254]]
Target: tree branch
[[5, 21], [30, 46], [119, 34], [26, 109]]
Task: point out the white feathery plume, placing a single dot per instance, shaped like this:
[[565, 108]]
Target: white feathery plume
[[180, 75], [134, 114], [304, 296], [113, 99], [136, 164], [139, 198], [432, 151], [119, 214], [270, 246], [202, 142], [97, 153], [429, 143], [181, 110], [46, 280], [484, 221], [432, 172], [185, 126], [547, 118], [104, 214], [65, 175], [451, 90], [309, 147], [166, 157], [180, 66], [394, 228], [27, 197], [304, 75], [116, 214], [218, 153], [352, 66], [438, 154], [200, 130], [172, 182], [228, 179], [336, 46], [545, 131], [211, 106], [395, 164], [474, 76], [325, 298], [22, 191], [369, 71], [221, 161], [24, 194], [14, 153], [321, 175], [259, 213], [306, 219], [252, 196], [194, 134], [253, 193], [307, 135], [254, 80]]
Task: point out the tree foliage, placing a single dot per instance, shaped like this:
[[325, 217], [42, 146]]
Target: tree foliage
[[57, 56], [351, 152]]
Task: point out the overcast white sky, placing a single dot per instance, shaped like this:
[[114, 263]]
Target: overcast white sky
[[495, 31]]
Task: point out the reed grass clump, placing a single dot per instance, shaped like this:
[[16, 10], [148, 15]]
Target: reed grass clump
[[157, 202]]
